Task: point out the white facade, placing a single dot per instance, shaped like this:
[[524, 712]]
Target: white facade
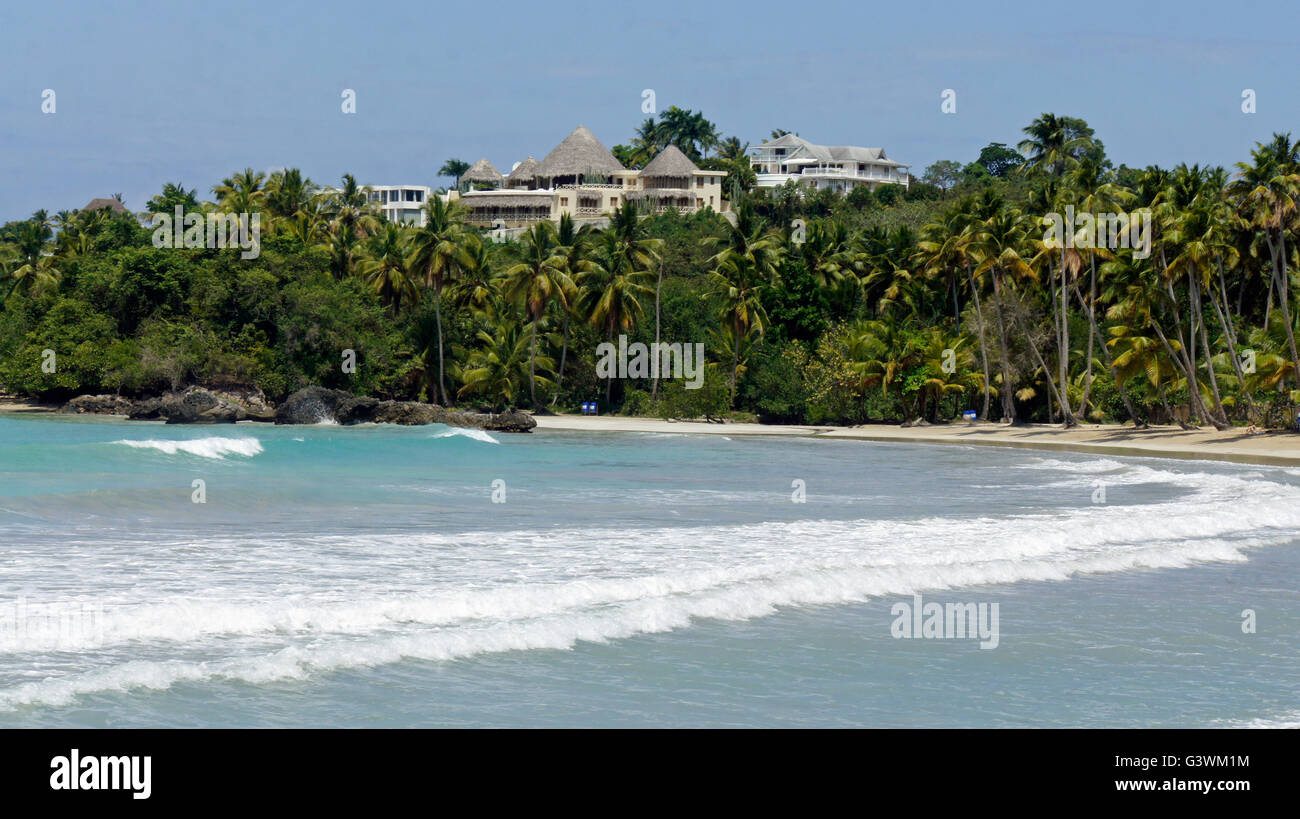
[[838, 167], [400, 203]]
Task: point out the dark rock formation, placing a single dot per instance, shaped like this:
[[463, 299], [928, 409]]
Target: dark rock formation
[[315, 405], [312, 405], [99, 405]]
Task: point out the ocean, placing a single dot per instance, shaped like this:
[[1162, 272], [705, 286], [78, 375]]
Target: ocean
[[378, 576]]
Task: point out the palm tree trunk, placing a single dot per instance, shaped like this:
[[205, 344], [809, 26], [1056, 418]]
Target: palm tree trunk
[[1110, 365], [1092, 334], [654, 388], [984, 357], [1047, 372], [735, 359], [1284, 297], [1230, 335], [437, 312], [1193, 388], [532, 364], [1067, 414], [609, 381], [1008, 400], [1209, 359], [564, 352]]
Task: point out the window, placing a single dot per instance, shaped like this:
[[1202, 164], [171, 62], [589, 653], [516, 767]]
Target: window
[[564, 201]]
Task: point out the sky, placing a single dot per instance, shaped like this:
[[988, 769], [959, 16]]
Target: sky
[[152, 92]]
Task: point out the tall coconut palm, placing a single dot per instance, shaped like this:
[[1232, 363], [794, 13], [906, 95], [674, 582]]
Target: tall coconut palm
[[455, 168], [1094, 194], [611, 289], [740, 284], [1269, 187], [439, 250], [537, 280], [241, 193], [571, 257]]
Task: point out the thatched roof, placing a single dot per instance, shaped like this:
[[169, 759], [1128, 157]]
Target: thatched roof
[[111, 204], [482, 171], [579, 153], [508, 199], [525, 171], [670, 162]]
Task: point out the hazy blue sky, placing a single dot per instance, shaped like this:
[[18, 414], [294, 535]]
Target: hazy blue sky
[[175, 91]]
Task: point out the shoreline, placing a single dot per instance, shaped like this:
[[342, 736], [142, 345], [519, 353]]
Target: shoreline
[[1276, 448], [1233, 445]]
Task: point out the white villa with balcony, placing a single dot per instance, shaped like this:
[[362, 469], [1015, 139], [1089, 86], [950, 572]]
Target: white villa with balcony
[[581, 178], [837, 167], [400, 203]]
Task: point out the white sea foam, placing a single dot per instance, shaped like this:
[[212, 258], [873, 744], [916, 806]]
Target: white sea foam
[[476, 434], [1291, 720], [217, 448], [444, 596]]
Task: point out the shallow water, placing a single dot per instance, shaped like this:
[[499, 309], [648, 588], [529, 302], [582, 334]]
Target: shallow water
[[364, 576]]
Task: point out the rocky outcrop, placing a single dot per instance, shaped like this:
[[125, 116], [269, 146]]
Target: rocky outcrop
[[99, 405], [315, 405], [312, 405], [194, 406], [511, 421]]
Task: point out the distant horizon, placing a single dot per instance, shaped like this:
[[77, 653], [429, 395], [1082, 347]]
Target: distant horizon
[[174, 98]]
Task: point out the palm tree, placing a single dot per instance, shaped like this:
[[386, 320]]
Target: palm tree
[[571, 258], [945, 246], [29, 263], [611, 289], [1050, 146], [288, 192], [537, 280], [439, 250], [476, 284], [1094, 194], [742, 308], [1269, 188], [241, 193], [385, 267], [500, 365], [454, 168]]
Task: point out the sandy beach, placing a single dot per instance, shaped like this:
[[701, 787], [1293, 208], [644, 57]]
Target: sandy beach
[[1235, 445]]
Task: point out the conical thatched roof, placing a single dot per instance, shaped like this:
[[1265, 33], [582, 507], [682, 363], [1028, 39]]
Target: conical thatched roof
[[670, 162], [111, 204], [482, 171], [525, 171], [579, 153]]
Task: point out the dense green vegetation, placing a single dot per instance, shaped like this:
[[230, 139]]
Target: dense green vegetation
[[813, 307]]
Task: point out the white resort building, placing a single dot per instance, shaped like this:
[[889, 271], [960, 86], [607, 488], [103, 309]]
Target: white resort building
[[400, 203], [838, 167], [582, 178]]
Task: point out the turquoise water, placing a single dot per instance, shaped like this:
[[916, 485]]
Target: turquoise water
[[364, 576]]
